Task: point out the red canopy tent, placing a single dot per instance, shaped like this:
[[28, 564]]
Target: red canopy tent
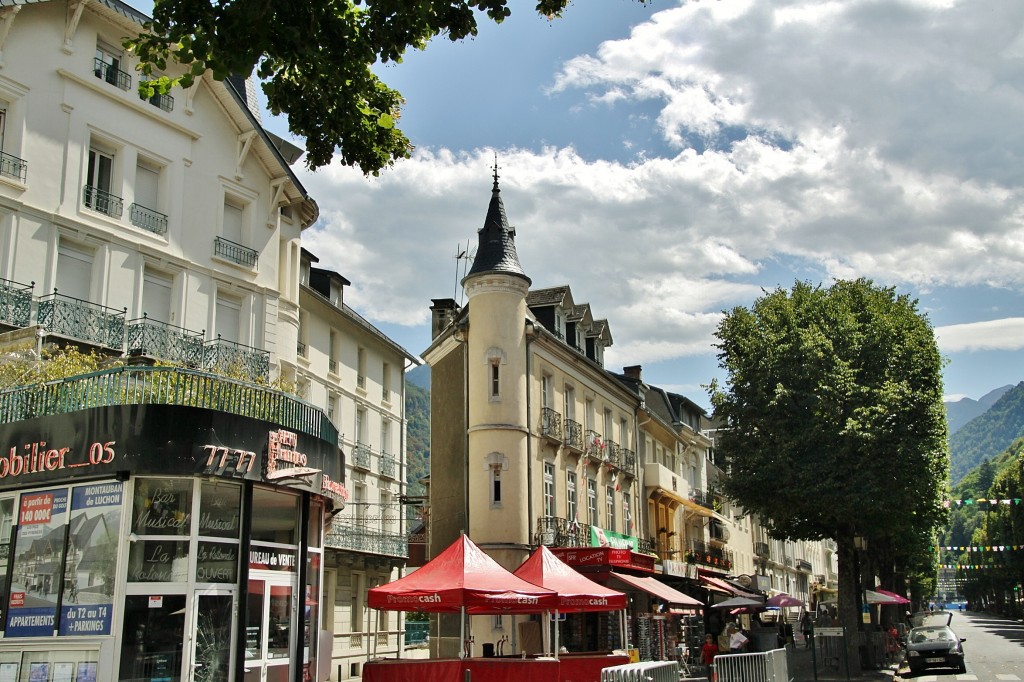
[[462, 579], [576, 592]]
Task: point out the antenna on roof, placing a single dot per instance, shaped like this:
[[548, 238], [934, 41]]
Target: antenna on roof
[[462, 259]]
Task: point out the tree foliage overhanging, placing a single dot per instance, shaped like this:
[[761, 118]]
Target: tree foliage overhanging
[[835, 422], [314, 59]]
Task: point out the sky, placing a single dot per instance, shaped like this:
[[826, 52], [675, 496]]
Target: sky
[[674, 159]]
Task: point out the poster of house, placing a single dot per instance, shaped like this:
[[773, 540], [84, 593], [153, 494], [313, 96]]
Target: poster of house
[[37, 565], [94, 526]]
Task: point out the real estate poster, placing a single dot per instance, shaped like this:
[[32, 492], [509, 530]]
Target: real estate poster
[[8, 672], [63, 672], [38, 672], [37, 565], [86, 672], [87, 606]]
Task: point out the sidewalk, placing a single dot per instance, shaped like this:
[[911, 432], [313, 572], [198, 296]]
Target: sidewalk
[[802, 668]]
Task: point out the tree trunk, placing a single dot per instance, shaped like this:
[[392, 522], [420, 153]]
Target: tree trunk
[[849, 602]]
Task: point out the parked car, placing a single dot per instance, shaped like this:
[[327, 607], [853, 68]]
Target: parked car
[[933, 644]]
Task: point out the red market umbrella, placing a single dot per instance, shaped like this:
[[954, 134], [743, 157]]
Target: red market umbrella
[[901, 599], [783, 599]]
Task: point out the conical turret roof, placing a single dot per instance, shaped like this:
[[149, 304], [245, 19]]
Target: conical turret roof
[[496, 250]]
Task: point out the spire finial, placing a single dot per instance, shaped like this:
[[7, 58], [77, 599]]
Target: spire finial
[[496, 170]]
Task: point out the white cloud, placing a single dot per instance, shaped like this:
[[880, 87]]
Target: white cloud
[[1004, 334]]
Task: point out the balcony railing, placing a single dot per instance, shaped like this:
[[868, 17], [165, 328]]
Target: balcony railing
[[573, 435], [110, 73], [361, 456], [762, 549], [611, 452], [593, 446], [13, 167], [165, 386], [236, 253], [15, 303], [165, 102], [147, 219], [550, 423], [803, 565], [708, 555], [163, 341], [553, 531], [704, 499], [78, 319], [359, 538], [236, 359], [627, 461], [103, 201], [388, 464]]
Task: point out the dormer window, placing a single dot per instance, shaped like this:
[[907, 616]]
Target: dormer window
[[559, 324]]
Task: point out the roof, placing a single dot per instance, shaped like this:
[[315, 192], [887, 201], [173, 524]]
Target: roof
[[542, 298], [576, 592], [496, 249]]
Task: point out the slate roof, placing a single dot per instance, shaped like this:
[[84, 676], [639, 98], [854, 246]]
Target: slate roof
[[542, 298], [496, 250]]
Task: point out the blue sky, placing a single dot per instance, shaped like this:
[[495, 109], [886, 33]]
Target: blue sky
[[669, 161]]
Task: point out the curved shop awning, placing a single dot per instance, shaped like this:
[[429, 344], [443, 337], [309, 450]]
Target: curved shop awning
[[658, 589], [726, 587]]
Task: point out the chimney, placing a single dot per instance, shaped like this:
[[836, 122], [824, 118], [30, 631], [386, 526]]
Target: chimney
[[633, 372], [442, 312]]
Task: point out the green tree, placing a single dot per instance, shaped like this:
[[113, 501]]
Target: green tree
[[314, 59], [835, 423]]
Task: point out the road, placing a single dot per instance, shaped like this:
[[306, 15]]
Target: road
[[994, 650]]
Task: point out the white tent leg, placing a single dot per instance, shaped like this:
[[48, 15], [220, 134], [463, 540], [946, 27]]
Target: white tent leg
[[555, 648], [462, 633]]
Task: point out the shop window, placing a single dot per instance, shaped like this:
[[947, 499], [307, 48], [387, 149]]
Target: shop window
[[162, 507], [278, 517], [220, 510], [152, 636]]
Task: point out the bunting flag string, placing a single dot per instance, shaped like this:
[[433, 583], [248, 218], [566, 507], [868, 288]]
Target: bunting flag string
[[971, 567], [982, 548], [982, 501]]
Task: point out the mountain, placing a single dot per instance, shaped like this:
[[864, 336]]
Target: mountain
[[987, 435], [417, 433], [959, 412], [420, 376]]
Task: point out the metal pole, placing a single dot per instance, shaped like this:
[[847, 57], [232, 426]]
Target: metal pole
[[462, 633]]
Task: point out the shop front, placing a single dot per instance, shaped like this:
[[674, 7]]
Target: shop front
[[162, 543]]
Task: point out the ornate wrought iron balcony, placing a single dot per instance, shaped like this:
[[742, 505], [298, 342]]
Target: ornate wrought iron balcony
[[15, 303], [13, 167], [360, 538], [702, 498], [627, 461], [165, 102], [611, 452], [388, 464], [236, 253], [236, 359], [804, 565], [553, 531], [708, 555], [163, 341], [361, 455], [110, 73], [593, 446], [550, 423], [165, 386], [82, 320], [762, 549], [147, 219], [103, 202], [574, 435]]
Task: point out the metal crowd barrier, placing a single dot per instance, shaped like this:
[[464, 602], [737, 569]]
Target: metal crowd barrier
[[649, 671], [770, 666]]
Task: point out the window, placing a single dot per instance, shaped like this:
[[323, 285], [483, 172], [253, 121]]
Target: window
[[385, 383], [624, 433], [387, 513], [549, 489], [495, 379], [571, 512], [359, 504], [143, 213], [592, 502], [385, 436], [302, 347], [570, 402], [74, 270], [99, 183], [229, 318], [107, 66], [230, 243], [588, 415], [10, 166], [496, 485], [156, 295], [608, 425], [627, 513], [361, 363], [545, 390], [356, 614], [360, 424], [234, 216], [609, 503], [332, 400], [332, 362]]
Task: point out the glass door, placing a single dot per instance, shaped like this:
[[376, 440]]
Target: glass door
[[213, 628], [270, 628]]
